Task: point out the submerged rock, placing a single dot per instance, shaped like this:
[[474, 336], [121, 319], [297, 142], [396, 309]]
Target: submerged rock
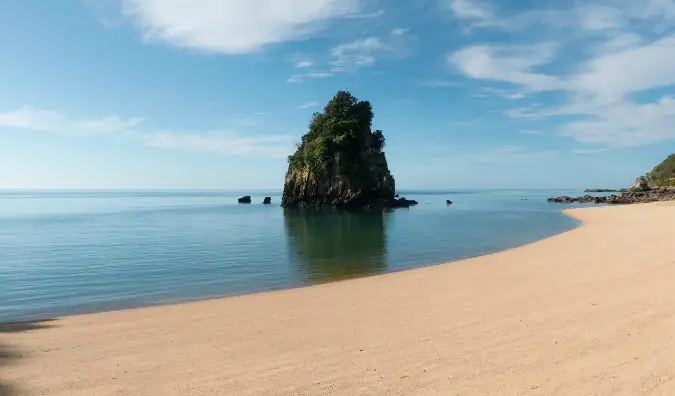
[[340, 162], [245, 200]]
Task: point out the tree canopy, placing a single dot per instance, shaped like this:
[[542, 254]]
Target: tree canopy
[[663, 175], [339, 134]]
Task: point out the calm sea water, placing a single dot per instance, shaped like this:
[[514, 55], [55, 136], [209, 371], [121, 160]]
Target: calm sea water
[[70, 252]]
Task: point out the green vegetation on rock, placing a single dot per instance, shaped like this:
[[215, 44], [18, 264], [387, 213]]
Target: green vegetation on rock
[[663, 175], [339, 161]]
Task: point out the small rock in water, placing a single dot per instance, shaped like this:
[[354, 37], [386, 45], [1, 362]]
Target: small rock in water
[[449, 202], [245, 200], [267, 201]]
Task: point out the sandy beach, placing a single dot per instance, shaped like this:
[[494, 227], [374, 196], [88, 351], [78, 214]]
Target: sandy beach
[[587, 312]]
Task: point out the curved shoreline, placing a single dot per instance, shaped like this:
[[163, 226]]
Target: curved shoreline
[[588, 311]]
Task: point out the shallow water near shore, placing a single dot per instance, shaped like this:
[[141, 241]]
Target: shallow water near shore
[[72, 252]]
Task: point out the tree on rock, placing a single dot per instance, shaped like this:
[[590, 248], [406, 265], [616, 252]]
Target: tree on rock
[[340, 161]]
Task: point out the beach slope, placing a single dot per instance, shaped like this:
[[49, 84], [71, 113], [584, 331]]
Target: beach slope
[[587, 312]]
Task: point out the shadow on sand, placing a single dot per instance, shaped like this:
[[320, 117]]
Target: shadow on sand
[[9, 354]]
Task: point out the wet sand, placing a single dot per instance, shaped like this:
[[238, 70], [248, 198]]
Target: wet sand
[[587, 312]]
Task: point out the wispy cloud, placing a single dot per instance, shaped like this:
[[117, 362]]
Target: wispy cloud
[[399, 31], [353, 55], [299, 78], [530, 132], [356, 54], [502, 93], [441, 84], [234, 26], [576, 18], [599, 92], [304, 64], [57, 122], [223, 142], [366, 15], [307, 105], [463, 155], [514, 64], [589, 151]]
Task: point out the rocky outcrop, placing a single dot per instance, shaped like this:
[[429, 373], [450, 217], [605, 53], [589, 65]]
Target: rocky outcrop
[[631, 196], [641, 184], [657, 185], [340, 162], [600, 190], [244, 200], [611, 199], [370, 185], [267, 201]]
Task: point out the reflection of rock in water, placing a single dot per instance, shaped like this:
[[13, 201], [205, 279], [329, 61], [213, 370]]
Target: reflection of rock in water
[[334, 244]]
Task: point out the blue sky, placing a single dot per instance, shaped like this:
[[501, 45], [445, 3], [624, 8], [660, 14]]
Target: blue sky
[[213, 93]]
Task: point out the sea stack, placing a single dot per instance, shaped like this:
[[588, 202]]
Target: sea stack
[[340, 162]]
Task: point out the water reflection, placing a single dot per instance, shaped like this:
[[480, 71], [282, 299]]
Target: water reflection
[[331, 244]]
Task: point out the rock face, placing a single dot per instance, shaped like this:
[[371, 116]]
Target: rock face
[[340, 162], [267, 201], [244, 200]]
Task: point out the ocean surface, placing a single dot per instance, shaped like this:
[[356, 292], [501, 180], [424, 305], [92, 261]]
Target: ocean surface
[[71, 252]]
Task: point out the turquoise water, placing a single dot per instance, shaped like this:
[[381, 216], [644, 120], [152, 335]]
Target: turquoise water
[[70, 252]]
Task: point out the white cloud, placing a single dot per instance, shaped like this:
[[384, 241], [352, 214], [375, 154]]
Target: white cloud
[[57, 122], [480, 13], [296, 78], [512, 64], [304, 64], [601, 95], [234, 26], [595, 17], [616, 90], [618, 42], [502, 93], [366, 15], [575, 18], [356, 54], [307, 105], [399, 31], [363, 52], [222, 142], [609, 77], [299, 78]]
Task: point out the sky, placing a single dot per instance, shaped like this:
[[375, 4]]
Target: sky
[[213, 94]]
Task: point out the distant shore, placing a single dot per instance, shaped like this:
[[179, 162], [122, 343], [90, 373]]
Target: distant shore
[[590, 311]]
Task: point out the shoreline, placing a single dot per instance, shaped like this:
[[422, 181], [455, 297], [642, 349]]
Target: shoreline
[[547, 317]]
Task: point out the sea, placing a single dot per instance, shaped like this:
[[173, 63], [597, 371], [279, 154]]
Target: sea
[[74, 252]]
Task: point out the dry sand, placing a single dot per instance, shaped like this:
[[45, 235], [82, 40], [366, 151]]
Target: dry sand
[[588, 312]]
